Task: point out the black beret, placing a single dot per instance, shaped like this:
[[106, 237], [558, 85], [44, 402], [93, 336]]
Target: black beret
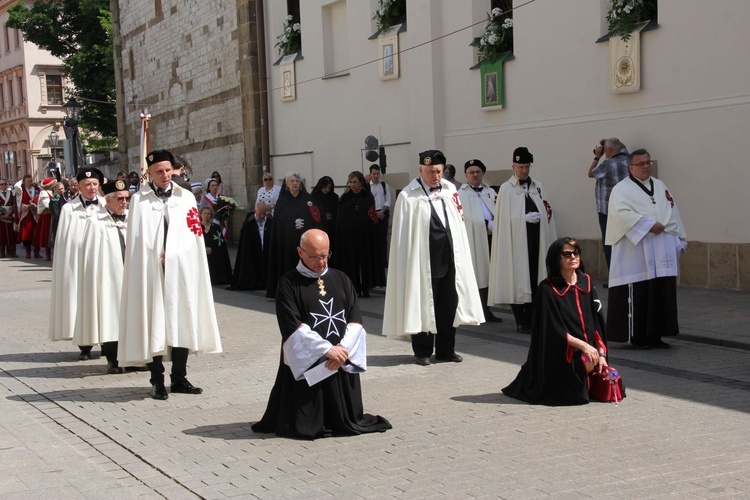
[[431, 157], [522, 155], [112, 186], [474, 163], [159, 155], [90, 173]]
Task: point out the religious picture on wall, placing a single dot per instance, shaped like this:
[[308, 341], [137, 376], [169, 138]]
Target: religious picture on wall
[[288, 83], [388, 60], [490, 88], [388, 44], [493, 86]]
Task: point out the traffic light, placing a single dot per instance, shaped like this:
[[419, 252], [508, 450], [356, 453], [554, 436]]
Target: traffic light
[[375, 152]]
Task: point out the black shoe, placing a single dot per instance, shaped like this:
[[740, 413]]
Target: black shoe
[[424, 361], [523, 329], [185, 387], [113, 369], [491, 318], [84, 356], [453, 358], [659, 344], [158, 391], [129, 369], [639, 345]]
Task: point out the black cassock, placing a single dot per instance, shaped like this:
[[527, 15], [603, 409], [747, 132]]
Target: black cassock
[[219, 265], [554, 373], [292, 216], [333, 406], [357, 250], [251, 264]]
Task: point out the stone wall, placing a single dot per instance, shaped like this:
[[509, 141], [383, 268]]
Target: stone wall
[[190, 63]]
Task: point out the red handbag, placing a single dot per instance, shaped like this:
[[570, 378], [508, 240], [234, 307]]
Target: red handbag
[[606, 385]]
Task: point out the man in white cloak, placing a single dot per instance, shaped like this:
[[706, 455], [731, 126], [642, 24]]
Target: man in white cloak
[[69, 296], [478, 201], [167, 301], [102, 259], [431, 285], [523, 231], [647, 237]]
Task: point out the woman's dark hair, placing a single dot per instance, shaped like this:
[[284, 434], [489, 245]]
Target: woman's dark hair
[[555, 252], [323, 182], [360, 178], [218, 178]]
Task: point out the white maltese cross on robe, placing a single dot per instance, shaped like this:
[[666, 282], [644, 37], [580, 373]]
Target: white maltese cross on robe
[[330, 317]]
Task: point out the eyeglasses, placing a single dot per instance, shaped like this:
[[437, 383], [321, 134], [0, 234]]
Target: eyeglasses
[[650, 163], [3, 183], [267, 179], [316, 257], [122, 198], [569, 255]]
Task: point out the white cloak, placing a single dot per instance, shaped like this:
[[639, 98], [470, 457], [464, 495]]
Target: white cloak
[[69, 298], [170, 305], [638, 254], [101, 279], [409, 305], [510, 282], [476, 229]]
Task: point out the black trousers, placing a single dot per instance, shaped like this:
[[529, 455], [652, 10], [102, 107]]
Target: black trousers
[[109, 351], [179, 366], [446, 301]]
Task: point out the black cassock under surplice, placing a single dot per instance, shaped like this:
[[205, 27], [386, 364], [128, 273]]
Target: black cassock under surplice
[[333, 406]]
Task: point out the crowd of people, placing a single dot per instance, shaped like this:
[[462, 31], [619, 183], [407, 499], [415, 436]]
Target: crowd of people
[[134, 264]]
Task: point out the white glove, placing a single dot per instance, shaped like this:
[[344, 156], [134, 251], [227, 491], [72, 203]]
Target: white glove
[[299, 223], [490, 225], [533, 217]]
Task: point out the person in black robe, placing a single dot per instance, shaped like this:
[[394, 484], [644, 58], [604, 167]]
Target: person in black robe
[[55, 206], [317, 392], [326, 198], [357, 237], [219, 265], [294, 213], [566, 327], [251, 263]]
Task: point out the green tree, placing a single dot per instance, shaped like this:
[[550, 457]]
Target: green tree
[[79, 32]]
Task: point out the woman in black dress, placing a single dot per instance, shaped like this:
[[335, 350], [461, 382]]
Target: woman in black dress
[[326, 198], [356, 237], [294, 213], [566, 333], [219, 265]]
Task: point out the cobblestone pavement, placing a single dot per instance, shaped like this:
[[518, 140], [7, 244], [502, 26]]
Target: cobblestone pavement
[[68, 430]]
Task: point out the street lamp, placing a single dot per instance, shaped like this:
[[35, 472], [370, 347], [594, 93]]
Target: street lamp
[[71, 108], [54, 140]]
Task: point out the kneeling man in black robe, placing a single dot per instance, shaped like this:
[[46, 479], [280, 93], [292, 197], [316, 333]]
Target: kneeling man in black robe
[[317, 392]]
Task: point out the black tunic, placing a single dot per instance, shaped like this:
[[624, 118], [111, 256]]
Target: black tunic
[[251, 264], [357, 250], [334, 405], [329, 206], [219, 266], [554, 373], [283, 256]]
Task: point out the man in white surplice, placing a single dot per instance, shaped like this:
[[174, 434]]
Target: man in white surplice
[[647, 238]]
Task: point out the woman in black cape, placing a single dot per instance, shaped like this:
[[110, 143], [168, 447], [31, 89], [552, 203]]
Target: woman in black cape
[[356, 237], [326, 198], [566, 328], [294, 213], [217, 254]]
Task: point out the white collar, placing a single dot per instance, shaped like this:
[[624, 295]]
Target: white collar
[[309, 273]]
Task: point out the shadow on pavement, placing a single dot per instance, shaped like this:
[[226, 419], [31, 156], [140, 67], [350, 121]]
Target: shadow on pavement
[[70, 371], [238, 430], [390, 360], [43, 357], [491, 398], [110, 395]]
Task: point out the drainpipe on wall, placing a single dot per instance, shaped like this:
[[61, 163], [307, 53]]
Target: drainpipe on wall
[[260, 19]]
